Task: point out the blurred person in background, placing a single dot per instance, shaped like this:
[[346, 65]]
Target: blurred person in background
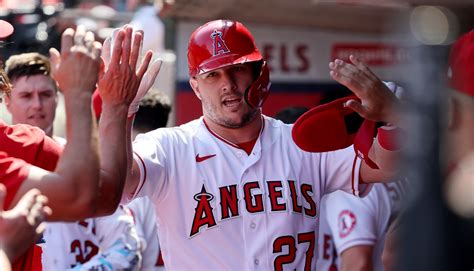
[[147, 18], [453, 248], [352, 230], [34, 96], [153, 112]]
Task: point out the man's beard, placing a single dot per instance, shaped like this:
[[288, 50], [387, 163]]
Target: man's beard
[[248, 117]]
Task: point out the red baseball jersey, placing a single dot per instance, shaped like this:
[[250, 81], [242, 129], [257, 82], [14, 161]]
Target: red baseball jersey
[[20, 146]]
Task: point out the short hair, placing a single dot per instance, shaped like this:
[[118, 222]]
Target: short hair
[[153, 112], [5, 85], [27, 64]]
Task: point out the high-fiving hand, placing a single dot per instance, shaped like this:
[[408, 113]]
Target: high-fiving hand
[[378, 103], [123, 74], [77, 66], [22, 225], [136, 59]]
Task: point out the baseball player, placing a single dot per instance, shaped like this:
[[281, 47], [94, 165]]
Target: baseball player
[[352, 230], [103, 243], [231, 189], [34, 94]]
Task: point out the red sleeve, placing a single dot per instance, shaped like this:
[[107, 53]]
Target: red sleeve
[[12, 174], [25, 261], [31, 145]]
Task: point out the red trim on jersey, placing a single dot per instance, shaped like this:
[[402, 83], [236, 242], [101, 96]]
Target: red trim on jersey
[[144, 173], [160, 259], [219, 137], [352, 176], [246, 146]]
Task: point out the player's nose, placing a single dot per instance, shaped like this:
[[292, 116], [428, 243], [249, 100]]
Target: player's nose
[[229, 81]]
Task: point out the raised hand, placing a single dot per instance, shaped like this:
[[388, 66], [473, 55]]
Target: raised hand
[[121, 79], [22, 225], [77, 66], [378, 103]]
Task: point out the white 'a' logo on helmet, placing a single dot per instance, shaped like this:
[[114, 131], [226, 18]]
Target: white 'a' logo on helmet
[[218, 43]]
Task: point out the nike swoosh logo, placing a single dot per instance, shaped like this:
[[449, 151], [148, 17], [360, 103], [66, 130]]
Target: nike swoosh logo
[[199, 159]]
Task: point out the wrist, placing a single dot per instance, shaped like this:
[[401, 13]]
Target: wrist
[[389, 137], [115, 109]]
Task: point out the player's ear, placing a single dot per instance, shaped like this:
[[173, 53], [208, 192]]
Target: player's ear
[[194, 85], [6, 99]]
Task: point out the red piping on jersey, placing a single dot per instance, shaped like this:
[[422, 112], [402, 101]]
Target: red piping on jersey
[[352, 176], [144, 173], [225, 140]]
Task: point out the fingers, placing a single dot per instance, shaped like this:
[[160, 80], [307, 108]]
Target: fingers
[[361, 66], [144, 66], [356, 107], [106, 50], [357, 77], [89, 39], [67, 42], [38, 211], [136, 49], [346, 80], [39, 230], [117, 48], [79, 35], [96, 49], [55, 59], [127, 44]]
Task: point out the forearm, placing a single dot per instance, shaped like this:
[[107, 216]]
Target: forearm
[[78, 166], [357, 258], [386, 153], [113, 153]]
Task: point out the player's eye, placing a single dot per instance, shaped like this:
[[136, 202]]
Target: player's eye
[[239, 68], [211, 74]]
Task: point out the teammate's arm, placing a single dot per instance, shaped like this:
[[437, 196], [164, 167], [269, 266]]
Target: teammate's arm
[[72, 187], [118, 89], [379, 104], [357, 258]]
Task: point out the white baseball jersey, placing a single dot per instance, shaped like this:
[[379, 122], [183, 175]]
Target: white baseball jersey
[[145, 224], [219, 208], [347, 221], [103, 243]]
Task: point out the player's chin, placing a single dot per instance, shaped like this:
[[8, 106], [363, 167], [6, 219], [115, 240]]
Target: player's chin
[[245, 118]]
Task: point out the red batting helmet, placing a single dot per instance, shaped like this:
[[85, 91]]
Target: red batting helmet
[[222, 43], [460, 63]]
